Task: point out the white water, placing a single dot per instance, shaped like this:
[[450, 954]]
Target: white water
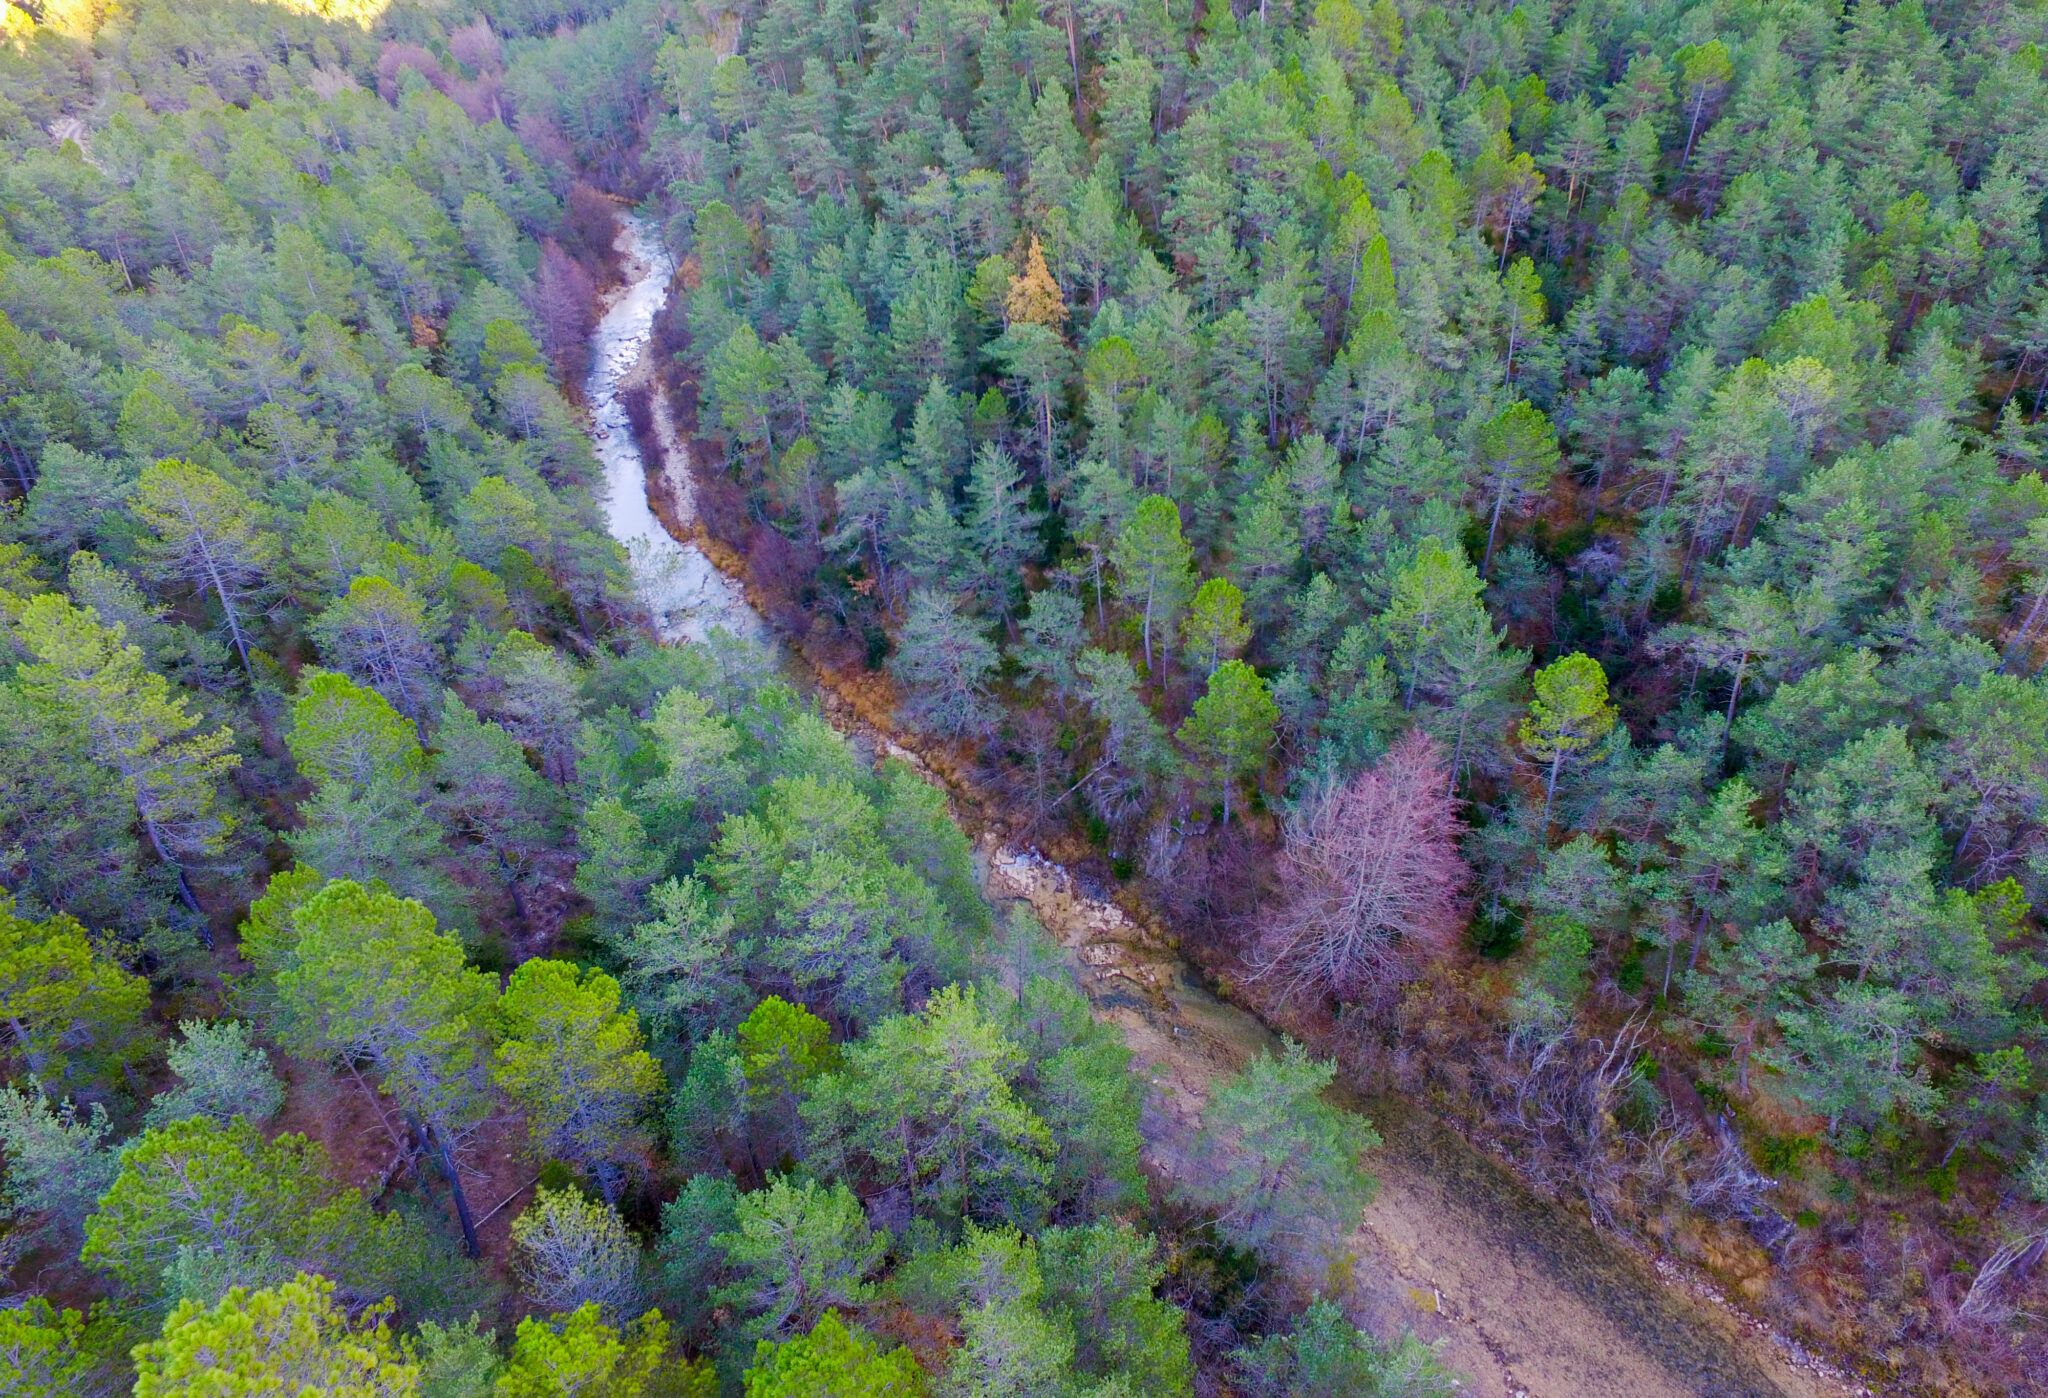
[[688, 596]]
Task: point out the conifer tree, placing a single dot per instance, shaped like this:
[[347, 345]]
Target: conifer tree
[[1231, 730]]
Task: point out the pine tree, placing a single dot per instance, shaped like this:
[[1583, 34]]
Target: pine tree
[[1000, 530], [368, 819], [944, 663], [1231, 730], [797, 1249], [1514, 455], [570, 1058], [135, 725], [833, 1358], [373, 980], [200, 1190], [1567, 716], [1154, 568], [929, 1102], [221, 1074], [616, 866], [1281, 1161], [70, 1015], [1216, 629], [382, 636], [580, 1353], [208, 535], [289, 1338]]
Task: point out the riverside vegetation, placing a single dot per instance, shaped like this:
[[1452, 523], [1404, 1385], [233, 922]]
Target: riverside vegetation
[[1520, 527]]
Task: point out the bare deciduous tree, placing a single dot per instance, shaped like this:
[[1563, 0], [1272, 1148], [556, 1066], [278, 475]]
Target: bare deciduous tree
[[1371, 880]]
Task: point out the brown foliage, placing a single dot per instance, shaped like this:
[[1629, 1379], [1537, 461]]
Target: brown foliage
[[565, 300], [1034, 297], [476, 47], [589, 227], [482, 101], [1371, 881], [397, 59]]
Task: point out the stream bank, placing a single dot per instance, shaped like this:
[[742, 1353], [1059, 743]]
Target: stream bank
[[1523, 1295]]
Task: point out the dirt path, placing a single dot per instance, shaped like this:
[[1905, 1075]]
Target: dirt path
[[1523, 1296]]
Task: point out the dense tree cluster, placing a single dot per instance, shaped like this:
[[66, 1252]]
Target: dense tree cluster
[[554, 1012], [1640, 402], [1568, 473]]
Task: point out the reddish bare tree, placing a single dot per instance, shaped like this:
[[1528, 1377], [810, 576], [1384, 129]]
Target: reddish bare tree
[[588, 228], [395, 59], [565, 299], [1371, 881], [476, 47]]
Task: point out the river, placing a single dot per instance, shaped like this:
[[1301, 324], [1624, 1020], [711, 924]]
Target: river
[[1523, 1295]]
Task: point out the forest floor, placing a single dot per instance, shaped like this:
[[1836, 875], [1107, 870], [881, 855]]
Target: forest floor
[[1522, 1295]]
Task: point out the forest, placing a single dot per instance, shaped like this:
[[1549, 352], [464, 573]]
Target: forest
[[1516, 531]]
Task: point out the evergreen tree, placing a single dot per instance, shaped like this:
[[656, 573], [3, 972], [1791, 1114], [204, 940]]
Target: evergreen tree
[[1567, 716], [929, 1102], [1514, 454], [944, 662], [131, 722], [570, 1058], [1154, 568], [798, 1249], [833, 1358], [1231, 729], [70, 1014], [373, 980], [211, 537], [286, 1338], [1281, 1160]]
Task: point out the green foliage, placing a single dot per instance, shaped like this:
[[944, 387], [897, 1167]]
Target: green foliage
[[372, 978], [1058, 315], [1231, 729], [1281, 1162], [929, 1102], [688, 1266], [943, 662], [1325, 1356], [1154, 569], [366, 820], [131, 723], [571, 1060], [1100, 1279], [796, 1249], [46, 1352], [288, 1338], [1567, 716], [221, 1074], [58, 1162], [576, 1353], [1216, 629], [198, 1188], [454, 1361], [70, 1014], [782, 1047], [617, 863], [833, 1359]]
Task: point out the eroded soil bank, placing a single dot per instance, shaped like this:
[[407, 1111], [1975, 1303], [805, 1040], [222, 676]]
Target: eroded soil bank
[[1525, 1296]]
